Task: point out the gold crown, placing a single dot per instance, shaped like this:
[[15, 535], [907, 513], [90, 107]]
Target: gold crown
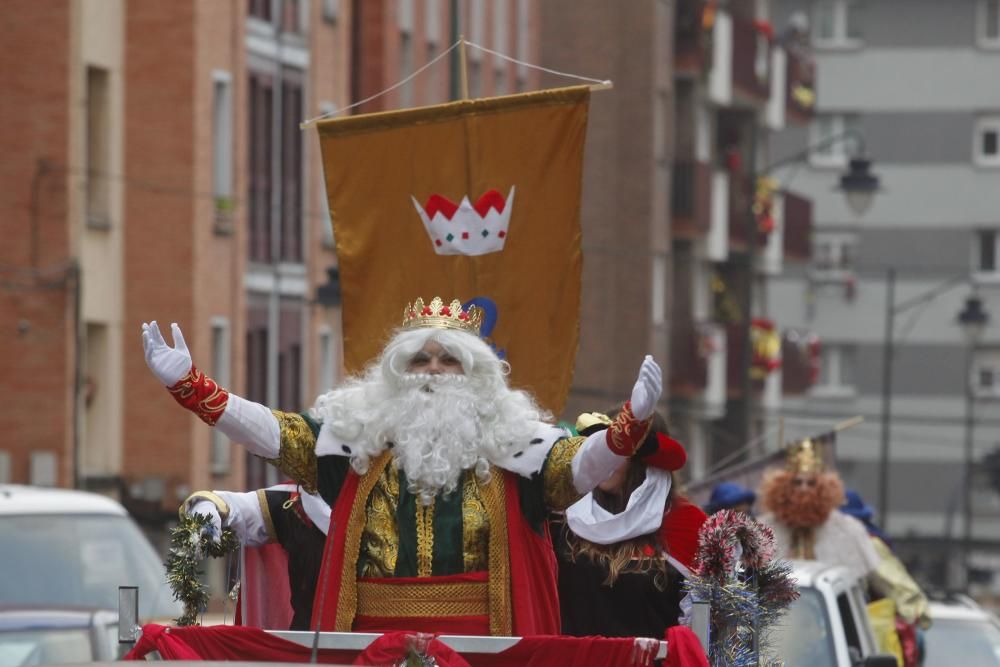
[[436, 314], [805, 457]]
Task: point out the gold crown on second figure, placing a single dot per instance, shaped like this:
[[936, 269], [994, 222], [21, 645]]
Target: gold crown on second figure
[[805, 457], [437, 314]]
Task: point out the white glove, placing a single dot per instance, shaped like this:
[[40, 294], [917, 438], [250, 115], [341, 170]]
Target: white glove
[[169, 364], [647, 389], [207, 508]]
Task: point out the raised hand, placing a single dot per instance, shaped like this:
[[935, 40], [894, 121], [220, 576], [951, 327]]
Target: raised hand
[[647, 389], [169, 364]]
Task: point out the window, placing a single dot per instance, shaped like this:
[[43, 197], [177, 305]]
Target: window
[[836, 375], [98, 149], [42, 469], [219, 455], [985, 252], [432, 21], [658, 293], [292, 19], [260, 9], [988, 25], [260, 96], [827, 127], [500, 26], [522, 36], [986, 373], [5, 477], [986, 152], [837, 23], [327, 365], [291, 165], [834, 254], [222, 145], [331, 10], [405, 69]]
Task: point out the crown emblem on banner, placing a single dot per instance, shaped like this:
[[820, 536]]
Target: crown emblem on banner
[[437, 314], [467, 228]]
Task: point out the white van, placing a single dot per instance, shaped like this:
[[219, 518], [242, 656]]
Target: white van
[[828, 625], [63, 548]]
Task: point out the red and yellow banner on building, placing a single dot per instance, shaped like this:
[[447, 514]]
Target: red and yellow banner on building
[[476, 200]]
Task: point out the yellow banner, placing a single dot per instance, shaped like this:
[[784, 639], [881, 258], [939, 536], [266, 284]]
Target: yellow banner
[[474, 200]]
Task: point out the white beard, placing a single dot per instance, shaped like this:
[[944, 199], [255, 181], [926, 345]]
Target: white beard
[[438, 426], [433, 424]]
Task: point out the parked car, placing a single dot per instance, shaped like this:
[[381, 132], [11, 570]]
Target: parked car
[[36, 636], [828, 625], [962, 634], [70, 548]]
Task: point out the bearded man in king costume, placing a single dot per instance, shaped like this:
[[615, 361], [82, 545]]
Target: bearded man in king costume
[[439, 475], [801, 501]]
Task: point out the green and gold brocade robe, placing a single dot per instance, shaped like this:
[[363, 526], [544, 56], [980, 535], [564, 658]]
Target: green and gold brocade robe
[[403, 538]]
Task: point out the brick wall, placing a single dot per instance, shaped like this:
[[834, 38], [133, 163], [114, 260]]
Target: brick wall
[[36, 342]]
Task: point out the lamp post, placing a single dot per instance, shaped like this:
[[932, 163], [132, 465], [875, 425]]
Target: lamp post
[[859, 186], [973, 320], [892, 309]]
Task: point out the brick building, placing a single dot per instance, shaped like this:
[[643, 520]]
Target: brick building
[[153, 168]]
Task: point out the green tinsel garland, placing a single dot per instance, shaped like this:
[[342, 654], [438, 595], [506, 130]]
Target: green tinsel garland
[[189, 544]]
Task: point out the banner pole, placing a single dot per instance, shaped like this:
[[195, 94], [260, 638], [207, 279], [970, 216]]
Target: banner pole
[[463, 67]]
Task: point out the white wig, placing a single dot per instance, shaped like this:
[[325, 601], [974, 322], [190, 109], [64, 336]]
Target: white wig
[[462, 422]]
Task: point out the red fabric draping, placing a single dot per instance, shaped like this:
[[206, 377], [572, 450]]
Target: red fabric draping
[[533, 571], [328, 586], [227, 642], [684, 649], [265, 600], [390, 648]]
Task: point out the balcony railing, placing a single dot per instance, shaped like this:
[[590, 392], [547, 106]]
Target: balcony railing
[[691, 200], [799, 361], [740, 193], [800, 86], [798, 228], [751, 61], [735, 359], [688, 362], [691, 54]]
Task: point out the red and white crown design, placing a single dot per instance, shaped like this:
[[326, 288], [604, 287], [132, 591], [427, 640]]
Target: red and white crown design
[[467, 228]]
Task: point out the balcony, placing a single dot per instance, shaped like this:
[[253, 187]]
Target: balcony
[[800, 87], [691, 44], [800, 359], [698, 365], [798, 224], [691, 200], [740, 193], [735, 359], [751, 62]]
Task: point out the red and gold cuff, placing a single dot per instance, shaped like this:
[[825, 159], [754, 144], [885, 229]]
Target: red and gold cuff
[[626, 432], [201, 395]]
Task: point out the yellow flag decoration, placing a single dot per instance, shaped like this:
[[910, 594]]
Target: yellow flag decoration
[[476, 200]]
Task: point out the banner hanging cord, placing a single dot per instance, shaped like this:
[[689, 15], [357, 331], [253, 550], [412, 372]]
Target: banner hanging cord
[[598, 83]]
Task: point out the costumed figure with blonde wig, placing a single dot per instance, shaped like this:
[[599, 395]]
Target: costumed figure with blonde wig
[[625, 547], [801, 501], [439, 475]]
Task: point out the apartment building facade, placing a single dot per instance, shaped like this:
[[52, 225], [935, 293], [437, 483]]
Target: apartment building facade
[[911, 78], [155, 170]]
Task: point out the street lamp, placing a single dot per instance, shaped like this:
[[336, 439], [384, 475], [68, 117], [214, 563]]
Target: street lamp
[[859, 185], [973, 320]]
